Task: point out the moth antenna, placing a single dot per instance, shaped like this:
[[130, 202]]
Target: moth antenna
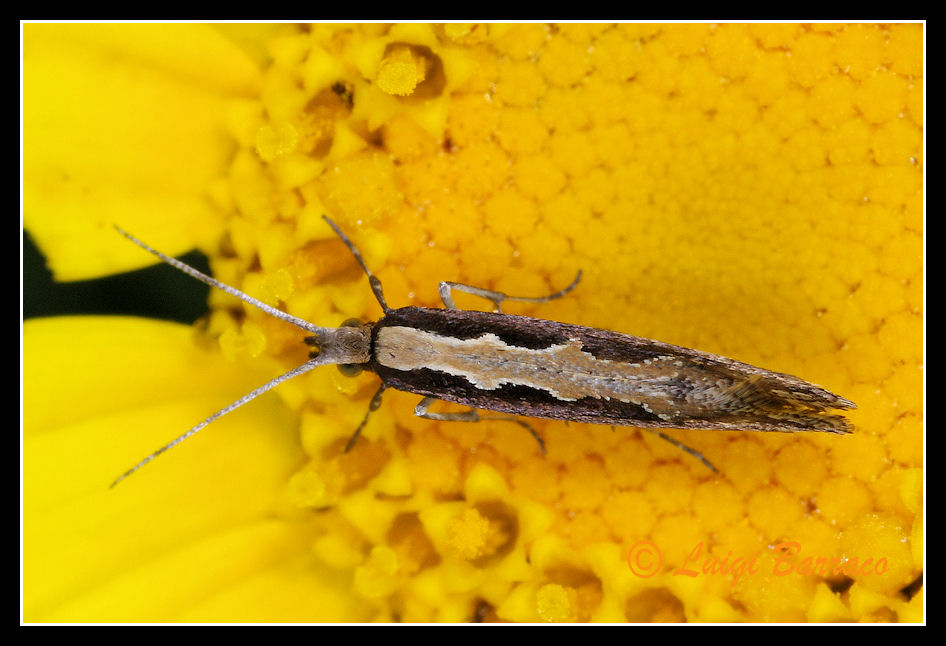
[[372, 279], [320, 333], [233, 291], [295, 372]]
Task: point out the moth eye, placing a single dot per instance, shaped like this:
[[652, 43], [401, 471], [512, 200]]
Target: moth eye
[[316, 344], [352, 323], [349, 369]]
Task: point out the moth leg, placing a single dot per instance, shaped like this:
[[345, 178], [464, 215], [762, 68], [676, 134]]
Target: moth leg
[[472, 415], [372, 407], [683, 447], [497, 298], [373, 280]]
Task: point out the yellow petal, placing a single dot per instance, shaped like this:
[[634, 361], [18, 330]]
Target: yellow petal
[[122, 124], [184, 538]]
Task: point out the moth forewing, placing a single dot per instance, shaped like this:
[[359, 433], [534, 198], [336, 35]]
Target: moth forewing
[[526, 366]]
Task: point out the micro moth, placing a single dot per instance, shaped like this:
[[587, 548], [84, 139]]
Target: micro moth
[[519, 366]]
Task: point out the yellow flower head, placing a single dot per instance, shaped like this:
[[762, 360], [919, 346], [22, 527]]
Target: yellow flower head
[[749, 190]]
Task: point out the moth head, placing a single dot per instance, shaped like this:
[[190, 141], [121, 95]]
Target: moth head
[[348, 346]]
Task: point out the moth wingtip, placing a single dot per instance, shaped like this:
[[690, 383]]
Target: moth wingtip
[[841, 425]]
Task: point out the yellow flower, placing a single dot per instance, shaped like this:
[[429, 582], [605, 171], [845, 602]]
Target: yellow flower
[[750, 190]]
